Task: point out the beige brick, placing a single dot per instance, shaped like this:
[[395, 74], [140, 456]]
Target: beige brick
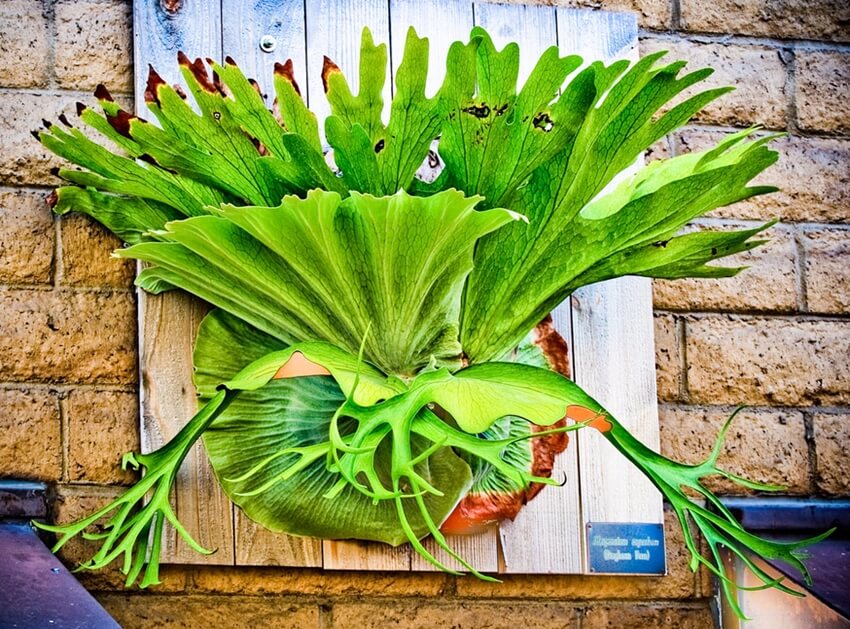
[[777, 362], [102, 426], [24, 47], [668, 357], [26, 238], [768, 284], [766, 446], [757, 73], [692, 616], [141, 611], [827, 254], [23, 160], [464, 615], [791, 19], [813, 175], [67, 336], [832, 434], [678, 583], [823, 80], [309, 582], [86, 255], [31, 442], [94, 44]]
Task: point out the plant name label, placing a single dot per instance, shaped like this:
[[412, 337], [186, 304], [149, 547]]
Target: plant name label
[[626, 548]]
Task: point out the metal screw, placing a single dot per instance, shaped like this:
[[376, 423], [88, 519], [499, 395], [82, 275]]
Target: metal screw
[[268, 43]]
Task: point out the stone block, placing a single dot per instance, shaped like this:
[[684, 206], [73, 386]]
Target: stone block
[[102, 426], [69, 337], [27, 238], [767, 361], [768, 284], [813, 176], [463, 615], [821, 92], [86, 255], [783, 19], [766, 446], [827, 255], [757, 73], [668, 357], [24, 44], [94, 44], [31, 442], [832, 434]]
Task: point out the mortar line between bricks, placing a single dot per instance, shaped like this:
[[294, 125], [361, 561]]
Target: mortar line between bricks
[[51, 288], [48, 9], [791, 93], [809, 425], [745, 40], [56, 91], [800, 268], [675, 15], [744, 315], [728, 408], [797, 133], [681, 337], [48, 387], [64, 438]]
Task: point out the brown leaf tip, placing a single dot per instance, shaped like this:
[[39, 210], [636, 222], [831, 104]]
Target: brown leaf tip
[[121, 122], [198, 70], [101, 93], [228, 61], [155, 81], [287, 72], [328, 68], [52, 199], [64, 120], [80, 108]]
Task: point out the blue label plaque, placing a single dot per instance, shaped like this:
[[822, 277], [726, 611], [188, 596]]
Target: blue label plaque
[[626, 548]]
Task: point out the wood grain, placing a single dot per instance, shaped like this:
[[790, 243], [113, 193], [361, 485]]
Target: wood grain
[[334, 29], [613, 335], [244, 23], [544, 537], [168, 323]]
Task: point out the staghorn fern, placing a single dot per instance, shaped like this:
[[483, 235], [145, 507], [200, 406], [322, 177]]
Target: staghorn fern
[[361, 356]]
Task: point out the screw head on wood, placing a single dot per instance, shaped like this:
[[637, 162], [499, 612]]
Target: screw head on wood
[[268, 43]]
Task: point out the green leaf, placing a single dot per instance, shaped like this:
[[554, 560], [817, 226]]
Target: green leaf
[[129, 218], [323, 268], [614, 235], [372, 157], [288, 422]]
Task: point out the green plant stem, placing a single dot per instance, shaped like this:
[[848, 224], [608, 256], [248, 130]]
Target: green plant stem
[[134, 534]]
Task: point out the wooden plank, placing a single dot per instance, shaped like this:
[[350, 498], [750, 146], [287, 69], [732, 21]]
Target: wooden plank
[[533, 27], [544, 536], [613, 348], [334, 29], [358, 555], [167, 323], [442, 22], [244, 24], [258, 546]]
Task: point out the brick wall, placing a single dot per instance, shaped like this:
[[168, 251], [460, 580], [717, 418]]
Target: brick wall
[[776, 338]]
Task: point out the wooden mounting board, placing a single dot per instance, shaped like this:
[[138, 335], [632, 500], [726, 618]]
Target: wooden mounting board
[[610, 324]]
